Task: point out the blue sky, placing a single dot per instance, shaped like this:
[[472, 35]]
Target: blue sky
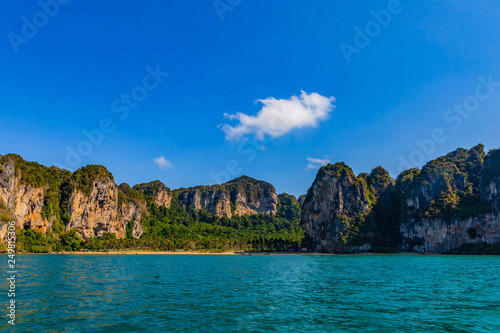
[[385, 103]]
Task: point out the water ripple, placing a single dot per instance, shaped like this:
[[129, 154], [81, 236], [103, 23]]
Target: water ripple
[[96, 293]]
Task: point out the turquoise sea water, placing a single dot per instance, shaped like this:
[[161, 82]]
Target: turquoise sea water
[[219, 293]]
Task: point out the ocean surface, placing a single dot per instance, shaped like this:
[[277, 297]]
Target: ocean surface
[[275, 293]]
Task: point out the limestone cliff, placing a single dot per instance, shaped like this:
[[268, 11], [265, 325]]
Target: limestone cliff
[[301, 199], [93, 206], [333, 213], [450, 202], [21, 201], [41, 198], [156, 192], [241, 196], [132, 207], [490, 180], [56, 201]]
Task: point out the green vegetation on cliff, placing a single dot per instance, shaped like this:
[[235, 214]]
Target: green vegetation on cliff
[[177, 228], [164, 228], [458, 187], [370, 209], [180, 228], [151, 189], [84, 178], [126, 194], [491, 167], [448, 186]]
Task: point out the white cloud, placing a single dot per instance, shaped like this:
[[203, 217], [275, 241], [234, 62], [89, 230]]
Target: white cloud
[[315, 163], [163, 163], [279, 116]]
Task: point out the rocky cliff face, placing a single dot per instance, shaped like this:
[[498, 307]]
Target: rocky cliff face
[[301, 199], [437, 235], [21, 202], [452, 201], [334, 210], [42, 198], [156, 192], [490, 180], [132, 207], [241, 196], [88, 200], [95, 212]]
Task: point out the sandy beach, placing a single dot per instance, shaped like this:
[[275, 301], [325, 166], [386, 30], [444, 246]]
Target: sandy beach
[[132, 252]]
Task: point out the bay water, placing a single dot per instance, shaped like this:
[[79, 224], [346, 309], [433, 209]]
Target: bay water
[[259, 293]]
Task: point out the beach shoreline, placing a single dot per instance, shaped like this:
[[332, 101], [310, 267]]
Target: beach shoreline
[[132, 252]]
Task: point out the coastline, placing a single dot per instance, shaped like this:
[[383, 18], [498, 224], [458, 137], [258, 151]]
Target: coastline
[[131, 252]]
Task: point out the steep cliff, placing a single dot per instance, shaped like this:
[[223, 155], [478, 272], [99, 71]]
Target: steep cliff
[[386, 211], [241, 196], [334, 211], [64, 206], [54, 200], [452, 202], [22, 202], [490, 180], [132, 207], [93, 203], [156, 192], [449, 203], [301, 199], [29, 192]]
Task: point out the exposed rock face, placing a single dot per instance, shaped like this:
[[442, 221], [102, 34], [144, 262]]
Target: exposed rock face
[[102, 207], [333, 210], [490, 180], [241, 196], [133, 213], [435, 235], [132, 207], [212, 199], [88, 200], [442, 207], [156, 192], [36, 197], [96, 213], [23, 202], [301, 199], [386, 212], [454, 200]]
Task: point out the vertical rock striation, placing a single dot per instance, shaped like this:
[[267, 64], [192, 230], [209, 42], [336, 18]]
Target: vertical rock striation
[[333, 213], [89, 202], [241, 196], [450, 202], [21, 201], [42, 199], [156, 192], [94, 207], [453, 201]]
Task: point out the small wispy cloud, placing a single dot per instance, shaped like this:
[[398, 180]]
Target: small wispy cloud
[[163, 163], [279, 116], [315, 163]]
